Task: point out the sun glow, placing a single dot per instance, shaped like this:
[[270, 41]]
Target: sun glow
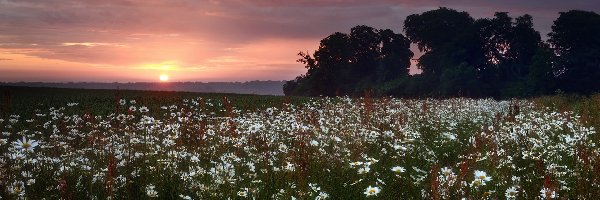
[[163, 78]]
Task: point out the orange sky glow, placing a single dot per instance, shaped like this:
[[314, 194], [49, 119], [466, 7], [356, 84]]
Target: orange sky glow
[[204, 40]]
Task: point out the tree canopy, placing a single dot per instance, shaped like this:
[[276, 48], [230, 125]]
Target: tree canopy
[[498, 57], [349, 64]]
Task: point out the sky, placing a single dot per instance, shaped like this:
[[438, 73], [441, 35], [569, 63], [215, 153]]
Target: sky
[[211, 40]]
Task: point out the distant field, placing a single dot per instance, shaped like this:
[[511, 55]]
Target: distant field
[[25, 100], [101, 144]]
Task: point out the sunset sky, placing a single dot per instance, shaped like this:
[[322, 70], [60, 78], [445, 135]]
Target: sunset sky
[[212, 40]]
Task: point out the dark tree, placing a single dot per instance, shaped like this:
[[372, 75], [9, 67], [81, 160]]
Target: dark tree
[[395, 54], [450, 44], [542, 75], [509, 46], [491, 57], [575, 37], [349, 64]]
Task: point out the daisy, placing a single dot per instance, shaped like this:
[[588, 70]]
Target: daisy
[[398, 169], [364, 170], [322, 195], [25, 145], [482, 176], [356, 163], [511, 193], [447, 171], [150, 191], [243, 192], [546, 193], [17, 156], [372, 191], [17, 188], [143, 109]]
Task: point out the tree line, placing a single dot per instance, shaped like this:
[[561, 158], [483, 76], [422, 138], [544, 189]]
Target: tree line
[[500, 57]]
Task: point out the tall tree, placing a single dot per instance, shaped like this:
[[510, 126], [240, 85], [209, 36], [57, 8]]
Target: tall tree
[[348, 64], [575, 37], [509, 46], [395, 54], [448, 39], [542, 74]]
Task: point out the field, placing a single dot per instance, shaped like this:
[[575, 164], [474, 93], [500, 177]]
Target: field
[[110, 144]]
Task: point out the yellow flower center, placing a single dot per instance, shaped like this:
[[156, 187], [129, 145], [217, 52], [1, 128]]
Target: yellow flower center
[[481, 177], [26, 145], [372, 191]]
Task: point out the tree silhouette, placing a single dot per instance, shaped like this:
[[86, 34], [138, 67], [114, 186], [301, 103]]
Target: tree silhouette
[[349, 64], [490, 57], [575, 37]]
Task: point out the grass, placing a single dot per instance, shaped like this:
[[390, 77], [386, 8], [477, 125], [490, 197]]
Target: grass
[[26, 100]]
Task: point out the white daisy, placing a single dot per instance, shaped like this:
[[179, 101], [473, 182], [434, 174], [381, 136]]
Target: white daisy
[[398, 169], [511, 193], [143, 109], [25, 145], [150, 191], [372, 191], [482, 176]]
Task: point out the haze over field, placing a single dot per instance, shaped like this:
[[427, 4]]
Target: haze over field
[[230, 40]]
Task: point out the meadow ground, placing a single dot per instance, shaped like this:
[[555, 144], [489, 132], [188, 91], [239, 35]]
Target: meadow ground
[[101, 144]]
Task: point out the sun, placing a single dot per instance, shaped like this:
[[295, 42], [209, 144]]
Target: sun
[[163, 78]]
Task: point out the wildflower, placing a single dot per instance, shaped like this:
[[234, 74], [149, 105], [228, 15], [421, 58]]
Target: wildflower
[[447, 171], [322, 195], [132, 102], [511, 193], [398, 169], [356, 163], [147, 120], [548, 193], [17, 188], [31, 181], [132, 108], [372, 161], [372, 191], [254, 128], [122, 102], [143, 109], [314, 143], [477, 183], [243, 192], [364, 170], [25, 145], [482, 176], [150, 191], [17, 156]]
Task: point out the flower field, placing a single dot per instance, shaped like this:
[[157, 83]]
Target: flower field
[[322, 148]]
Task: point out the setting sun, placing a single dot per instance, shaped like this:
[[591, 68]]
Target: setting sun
[[164, 77]]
